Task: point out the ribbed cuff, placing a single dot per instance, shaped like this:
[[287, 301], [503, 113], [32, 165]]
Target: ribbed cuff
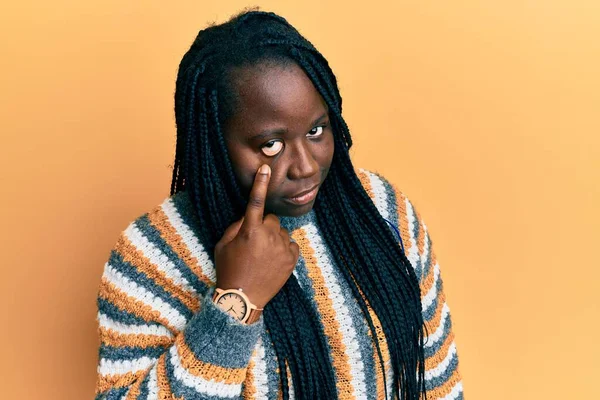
[[216, 337]]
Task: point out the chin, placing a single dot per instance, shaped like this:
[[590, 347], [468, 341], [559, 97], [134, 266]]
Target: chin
[[285, 210]]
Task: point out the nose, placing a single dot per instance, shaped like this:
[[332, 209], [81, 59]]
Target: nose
[[303, 163]]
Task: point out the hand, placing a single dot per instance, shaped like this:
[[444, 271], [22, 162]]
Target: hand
[[255, 253]]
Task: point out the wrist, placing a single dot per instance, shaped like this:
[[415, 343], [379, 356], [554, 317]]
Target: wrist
[[255, 297], [213, 336], [236, 303]]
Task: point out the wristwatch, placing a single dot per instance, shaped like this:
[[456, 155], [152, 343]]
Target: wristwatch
[[235, 303]]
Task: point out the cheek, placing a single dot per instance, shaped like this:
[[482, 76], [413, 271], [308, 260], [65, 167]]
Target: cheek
[[241, 173], [243, 165], [246, 173], [245, 177]]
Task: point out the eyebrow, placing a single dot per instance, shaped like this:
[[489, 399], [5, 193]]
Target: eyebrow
[[281, 131]]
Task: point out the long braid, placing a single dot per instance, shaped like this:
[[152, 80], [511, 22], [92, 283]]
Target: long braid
[[330, 235], [377, 276], [361, 236], [224, 158], [375, 268]]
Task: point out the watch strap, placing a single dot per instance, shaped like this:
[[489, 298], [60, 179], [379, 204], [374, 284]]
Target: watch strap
[[254, 316]]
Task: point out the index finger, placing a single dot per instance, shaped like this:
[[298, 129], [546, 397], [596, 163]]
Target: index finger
[[256, 201]]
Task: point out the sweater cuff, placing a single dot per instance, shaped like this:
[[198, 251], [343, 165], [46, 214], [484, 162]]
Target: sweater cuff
[[217, 338]]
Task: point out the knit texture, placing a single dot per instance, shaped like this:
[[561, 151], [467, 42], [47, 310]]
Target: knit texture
[[163, 338]]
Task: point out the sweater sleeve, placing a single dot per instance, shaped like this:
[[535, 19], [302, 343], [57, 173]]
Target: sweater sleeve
[[442, 375], [161, 337]]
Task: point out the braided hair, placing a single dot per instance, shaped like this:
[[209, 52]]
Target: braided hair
[[372, 262]]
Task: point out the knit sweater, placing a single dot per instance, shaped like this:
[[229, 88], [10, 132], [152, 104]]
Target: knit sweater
[[161, 336]]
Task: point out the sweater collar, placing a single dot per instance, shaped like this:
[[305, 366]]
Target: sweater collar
[[294, 223]]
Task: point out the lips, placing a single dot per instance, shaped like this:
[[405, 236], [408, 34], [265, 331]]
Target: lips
[[302, 192]]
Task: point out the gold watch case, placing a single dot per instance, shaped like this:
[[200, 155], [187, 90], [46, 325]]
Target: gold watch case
[[235, 303]]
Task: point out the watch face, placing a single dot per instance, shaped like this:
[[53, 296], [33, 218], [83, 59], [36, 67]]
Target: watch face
[[233, 304]]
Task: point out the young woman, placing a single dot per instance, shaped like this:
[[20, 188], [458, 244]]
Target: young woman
[[275, 269]]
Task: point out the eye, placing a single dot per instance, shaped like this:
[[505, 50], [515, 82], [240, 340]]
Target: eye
[[318, 131], [272, 148]]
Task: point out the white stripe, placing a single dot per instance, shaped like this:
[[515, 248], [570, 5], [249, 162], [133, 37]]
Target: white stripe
[[125, 329], [442, 366], [190, 239], [153, 383], [342, 314], [433, 338], [156, 257], [291, 388], [455, 392], [200, 385], [389, 376], [260, 371], [380, 200], [132, 289], [412, 220], [432, 294], [120, 367], [295, 272]]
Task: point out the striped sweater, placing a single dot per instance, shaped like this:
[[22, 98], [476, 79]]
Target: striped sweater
[[161, 337]]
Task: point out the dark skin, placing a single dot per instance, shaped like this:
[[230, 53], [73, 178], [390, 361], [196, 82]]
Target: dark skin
[[283, 102], [296, 148]]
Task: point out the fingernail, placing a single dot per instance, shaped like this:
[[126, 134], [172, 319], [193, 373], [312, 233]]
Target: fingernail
[[264, 169]]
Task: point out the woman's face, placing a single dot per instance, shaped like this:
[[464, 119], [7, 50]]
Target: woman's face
[[280, 120]]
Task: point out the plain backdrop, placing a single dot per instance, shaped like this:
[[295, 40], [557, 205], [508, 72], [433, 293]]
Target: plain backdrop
[[485, 113]]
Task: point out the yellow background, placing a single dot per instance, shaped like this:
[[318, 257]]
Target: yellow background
[[485, 113]]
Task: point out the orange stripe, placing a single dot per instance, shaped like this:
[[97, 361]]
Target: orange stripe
[[328, 314], [134, 391], [446, 387], [164, 387], [106, 382], [135, 257], [116, 339], [249, 391], [168, 232], [116, 296], [206, 370], [366, 183], [428, 280], [435, 359]]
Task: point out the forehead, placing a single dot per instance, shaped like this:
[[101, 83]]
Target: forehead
[[271, 96]]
